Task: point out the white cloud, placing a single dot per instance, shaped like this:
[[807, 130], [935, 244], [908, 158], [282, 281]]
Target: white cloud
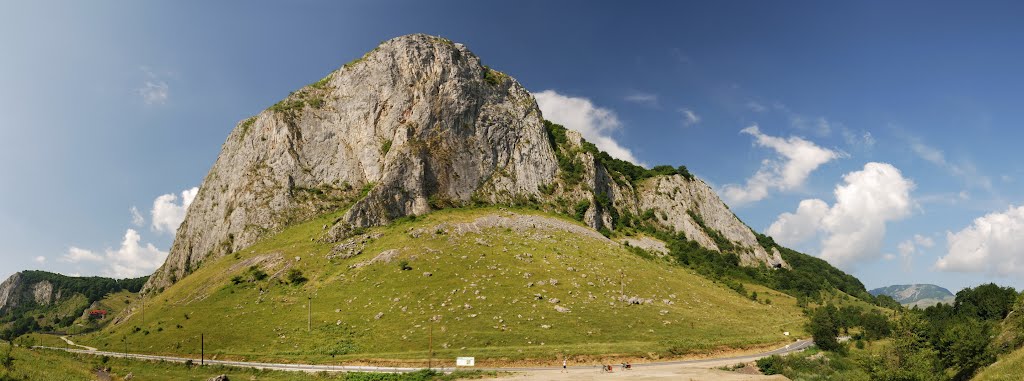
[[791, 229], [133, 260], [137, 219], [756, 107], [40, 260], [689, 117], [855, 225], [923, 241], [129, 260], [167, 213], [862, 140], [154, 90], [962, 169], [643, 98], [797, 159], [595, 123], [912, 247], [76, 255], [819, 125], [934, 155], [993, 244]]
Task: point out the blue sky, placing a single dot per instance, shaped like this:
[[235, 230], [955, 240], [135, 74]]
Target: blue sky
[[909, 110]]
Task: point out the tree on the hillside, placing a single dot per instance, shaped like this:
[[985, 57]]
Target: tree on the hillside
[[988, 301], [6, 358], [963, 347], [824, 328], [876, 325], [848, 317], [910, 357]]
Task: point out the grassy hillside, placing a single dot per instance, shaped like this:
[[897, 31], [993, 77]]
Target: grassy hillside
[[59, 366], [1009, 368], [487, 290]]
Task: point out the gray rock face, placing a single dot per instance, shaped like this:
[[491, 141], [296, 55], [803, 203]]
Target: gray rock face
[[414, 125], [42, 293], [9, 290], [15, 291], [681, 200]]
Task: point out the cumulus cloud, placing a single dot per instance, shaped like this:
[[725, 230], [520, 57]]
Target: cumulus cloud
[[168, 213], [689, 117], [40, 260], [854, 226], [580, 114], [137, 219], [791, 229], [130, 260], [993, 244], [76, 255], [643, 98], [133, 259], [797, 158]]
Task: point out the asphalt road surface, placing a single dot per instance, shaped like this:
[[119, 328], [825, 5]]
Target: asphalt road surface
[[796, 346]]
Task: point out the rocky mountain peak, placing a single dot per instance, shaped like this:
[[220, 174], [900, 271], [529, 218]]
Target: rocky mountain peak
[[419, 124]]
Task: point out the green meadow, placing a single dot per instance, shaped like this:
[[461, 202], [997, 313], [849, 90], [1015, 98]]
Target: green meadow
[[435, 287]]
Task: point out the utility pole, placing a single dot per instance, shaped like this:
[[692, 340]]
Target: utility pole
[[309, 316], [202, 350], [622, 286], [430, 346]]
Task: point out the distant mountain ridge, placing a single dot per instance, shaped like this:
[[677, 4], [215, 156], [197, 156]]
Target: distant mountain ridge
[[920, 295]]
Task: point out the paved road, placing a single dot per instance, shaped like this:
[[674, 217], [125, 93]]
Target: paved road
[[796, 346]]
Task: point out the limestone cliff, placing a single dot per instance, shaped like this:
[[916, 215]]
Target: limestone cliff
[[419, 123], [18, 291]]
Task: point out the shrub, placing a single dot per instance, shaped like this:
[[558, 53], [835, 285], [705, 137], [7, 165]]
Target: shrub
[[6, 359], [494, 77], [295, 277], [404, 265], [581, 209], [771, 365]]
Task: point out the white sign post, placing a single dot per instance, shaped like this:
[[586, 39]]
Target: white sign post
[[465, 361]]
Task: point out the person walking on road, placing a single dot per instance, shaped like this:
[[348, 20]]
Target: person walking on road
[[565, 369]]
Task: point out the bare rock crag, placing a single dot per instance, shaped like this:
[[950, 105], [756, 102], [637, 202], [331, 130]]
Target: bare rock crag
[[417, 124]]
